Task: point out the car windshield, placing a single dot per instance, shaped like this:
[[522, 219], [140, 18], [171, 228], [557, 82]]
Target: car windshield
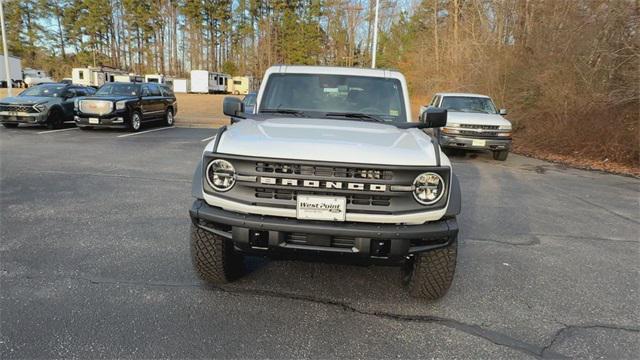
[[468, 104], [249, 100], [44, 90], [331, 96], [119, 89]]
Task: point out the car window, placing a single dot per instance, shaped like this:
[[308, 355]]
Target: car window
[[154, 90], [145, 90], [49, 90], [80, 92], [118, 89], [435, 101], [166, 91], [469, 104], [71, 93]]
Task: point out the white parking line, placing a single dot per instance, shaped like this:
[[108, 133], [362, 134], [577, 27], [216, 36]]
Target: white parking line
[[207, 139], [144, 132], [52, 131]]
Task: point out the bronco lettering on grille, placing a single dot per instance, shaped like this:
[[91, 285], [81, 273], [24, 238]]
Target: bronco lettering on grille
[[323, 184]]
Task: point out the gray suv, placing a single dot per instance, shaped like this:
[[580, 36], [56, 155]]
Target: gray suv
[[46, 104]]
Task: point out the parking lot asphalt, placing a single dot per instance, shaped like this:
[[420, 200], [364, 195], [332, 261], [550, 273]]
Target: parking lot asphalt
[[94, 263]]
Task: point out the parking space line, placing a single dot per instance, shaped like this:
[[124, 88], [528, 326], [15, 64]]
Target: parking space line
[[207, 139], [52, 131], [144, 132]]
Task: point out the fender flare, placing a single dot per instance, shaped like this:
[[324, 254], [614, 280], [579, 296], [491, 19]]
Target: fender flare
[[455, 200], [196, 184]]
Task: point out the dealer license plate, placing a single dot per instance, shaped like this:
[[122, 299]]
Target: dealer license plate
[[478, 142], [328, 208], [94, 121]]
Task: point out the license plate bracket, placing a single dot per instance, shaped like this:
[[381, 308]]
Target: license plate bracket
[[476, 142], [326, 208]]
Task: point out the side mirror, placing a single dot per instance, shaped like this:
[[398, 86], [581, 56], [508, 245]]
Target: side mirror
[[434, 117], [232, 106], [503, 111]]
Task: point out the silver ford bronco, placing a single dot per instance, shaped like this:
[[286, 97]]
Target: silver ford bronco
[[329, 164]]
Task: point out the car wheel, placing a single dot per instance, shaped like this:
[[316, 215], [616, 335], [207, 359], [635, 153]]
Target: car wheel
[[168, 118], [429, 275], [136, 122], [55, 119], [500, 155], [10, 126], [214, 258]]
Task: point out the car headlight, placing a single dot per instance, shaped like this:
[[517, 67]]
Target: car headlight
[[41, 107], [221, 175], [428, 188], [447, 130], [121, 105]]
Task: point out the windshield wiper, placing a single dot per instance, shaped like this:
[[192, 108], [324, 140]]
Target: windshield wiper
[[283, 111], [356, 116]]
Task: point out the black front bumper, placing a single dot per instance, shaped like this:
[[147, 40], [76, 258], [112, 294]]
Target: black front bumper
[[118, 119], [376, 242]]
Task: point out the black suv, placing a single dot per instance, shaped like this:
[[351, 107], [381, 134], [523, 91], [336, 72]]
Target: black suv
[[48, 104], [126, 106]]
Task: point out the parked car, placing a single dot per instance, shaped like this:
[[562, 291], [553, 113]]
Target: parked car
[[473, 123], [329, 164], [126, 106], [249, 102], [46, 104]]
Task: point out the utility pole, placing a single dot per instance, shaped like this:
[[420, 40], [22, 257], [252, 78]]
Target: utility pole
[[375, 37], [6, 51]]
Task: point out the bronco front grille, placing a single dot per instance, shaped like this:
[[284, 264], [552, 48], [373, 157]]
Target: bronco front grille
[[18, 108], [324, 171], [355, 199]]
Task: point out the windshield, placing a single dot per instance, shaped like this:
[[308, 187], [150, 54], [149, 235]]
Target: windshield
[[119, 89], [468, 104], [249, 100], [323, 95], [44, 90]]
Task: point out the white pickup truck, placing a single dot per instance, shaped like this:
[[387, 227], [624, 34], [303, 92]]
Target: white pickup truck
[[473, 123], [328, 164]]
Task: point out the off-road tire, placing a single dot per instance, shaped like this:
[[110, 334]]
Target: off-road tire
[[214, 258], [55, 120], [500, 155], [429, 275], [10, 126]]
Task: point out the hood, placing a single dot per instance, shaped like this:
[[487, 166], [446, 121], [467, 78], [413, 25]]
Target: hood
[[109, 97], [328, 140], [457, 117], [28, 100]]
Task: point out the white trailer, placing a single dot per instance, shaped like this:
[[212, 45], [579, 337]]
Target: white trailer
[[181, 85], [34, 77], [241, 85], [15, 71], [95, 76], [220, 83], [200, 82], [155, 78]]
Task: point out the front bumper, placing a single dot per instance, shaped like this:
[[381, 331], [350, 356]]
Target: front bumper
[[480, 143], [372, 242], [22, 118], [114, 120]]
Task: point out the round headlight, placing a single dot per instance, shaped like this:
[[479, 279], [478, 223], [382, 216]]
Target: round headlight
[[429, 188], [221, 175]]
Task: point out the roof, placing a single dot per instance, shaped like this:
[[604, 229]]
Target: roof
[[463, 94], [333, 70]]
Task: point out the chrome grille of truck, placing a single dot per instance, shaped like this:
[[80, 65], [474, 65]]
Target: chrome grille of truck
[[98, 107], [18, 108], [481, 127]]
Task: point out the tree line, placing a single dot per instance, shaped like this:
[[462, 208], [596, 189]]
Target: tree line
[[567, 69]]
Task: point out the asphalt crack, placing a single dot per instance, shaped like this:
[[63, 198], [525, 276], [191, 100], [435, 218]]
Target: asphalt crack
[[495, 337], [565, 331]]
